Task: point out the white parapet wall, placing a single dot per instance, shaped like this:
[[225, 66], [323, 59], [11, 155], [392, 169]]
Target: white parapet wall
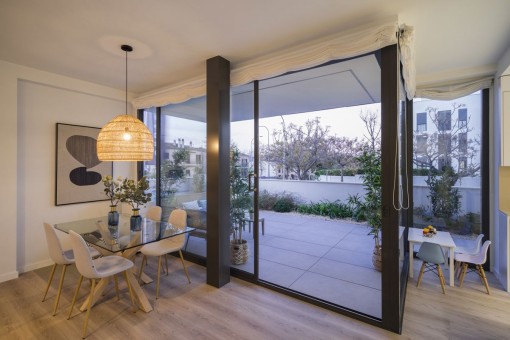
[[316, 191]]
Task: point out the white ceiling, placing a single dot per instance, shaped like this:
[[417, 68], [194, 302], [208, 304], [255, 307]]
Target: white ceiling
[[173, 39]]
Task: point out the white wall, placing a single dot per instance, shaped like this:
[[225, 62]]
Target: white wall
[[33, 102]]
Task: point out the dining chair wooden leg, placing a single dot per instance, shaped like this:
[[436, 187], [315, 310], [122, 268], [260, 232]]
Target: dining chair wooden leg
[[89, 307], [421, 274], [144, 259], [116, 283], [463, 274], [184, 266], [75, 295], [441, 278], [159, 275], [49, 281], [60, 284], [483, 278], [130, 291]]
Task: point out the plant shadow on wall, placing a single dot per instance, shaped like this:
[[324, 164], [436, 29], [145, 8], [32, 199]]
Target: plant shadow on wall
[[240, 204]]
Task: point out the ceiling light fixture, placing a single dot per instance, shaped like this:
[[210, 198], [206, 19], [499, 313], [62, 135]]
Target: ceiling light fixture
[[125, 138]]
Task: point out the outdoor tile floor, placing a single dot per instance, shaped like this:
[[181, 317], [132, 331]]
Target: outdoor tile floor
[[323, 258]]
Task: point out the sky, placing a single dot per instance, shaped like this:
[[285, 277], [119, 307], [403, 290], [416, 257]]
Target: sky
[[342, 122]]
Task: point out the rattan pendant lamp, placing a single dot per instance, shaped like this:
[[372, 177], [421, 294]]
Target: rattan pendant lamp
[[125, 138]]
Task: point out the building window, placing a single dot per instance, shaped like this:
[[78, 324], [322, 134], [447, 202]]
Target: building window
[[166, 155], [421, 144], [444, 144], [443, 161], [462, 163], [421, 122], [444, 120], [188, 173], [463, 142], [463, 118], [198, 159]]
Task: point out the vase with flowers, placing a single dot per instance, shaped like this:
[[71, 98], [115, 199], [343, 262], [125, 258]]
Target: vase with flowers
[[134, 193], [113, 190]]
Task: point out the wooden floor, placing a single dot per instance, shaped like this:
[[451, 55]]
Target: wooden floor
[[243, 311]]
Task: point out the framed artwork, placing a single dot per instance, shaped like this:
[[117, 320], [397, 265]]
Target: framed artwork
[[78, 170]]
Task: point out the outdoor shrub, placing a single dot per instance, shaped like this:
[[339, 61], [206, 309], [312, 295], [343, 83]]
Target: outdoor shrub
[[279, 202], [445, 199], [335, 209]]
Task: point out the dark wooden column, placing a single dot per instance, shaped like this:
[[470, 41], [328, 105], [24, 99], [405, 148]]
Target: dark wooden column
[[218, 171], [389, 173]]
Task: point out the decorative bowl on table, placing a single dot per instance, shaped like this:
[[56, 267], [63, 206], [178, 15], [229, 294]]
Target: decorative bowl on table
[[429, 231]]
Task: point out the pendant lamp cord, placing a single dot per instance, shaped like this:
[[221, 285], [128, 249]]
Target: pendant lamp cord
[[126, 80]]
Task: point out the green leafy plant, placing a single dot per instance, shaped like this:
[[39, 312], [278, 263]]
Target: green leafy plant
[[133, 192], [279, 202], [240, 198], [370, 163], [445, 199], [113, 189]]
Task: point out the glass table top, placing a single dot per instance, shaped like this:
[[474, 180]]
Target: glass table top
[[96, 231]]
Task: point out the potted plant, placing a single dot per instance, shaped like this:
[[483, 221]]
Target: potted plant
[[113, 190], [240, 202], [370, 164], [134, 193]]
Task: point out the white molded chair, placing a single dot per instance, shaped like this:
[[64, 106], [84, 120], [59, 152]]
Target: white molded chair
[[474, 248], [169, 245], [433, 257], [107, 266], [154, 213], [478, 260], [60, 257]]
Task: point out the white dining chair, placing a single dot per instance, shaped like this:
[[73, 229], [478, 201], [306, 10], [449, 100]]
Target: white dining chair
[[60, 257], [478, 260], [471, 249], [154, 213], [169, 245], [103, 267]]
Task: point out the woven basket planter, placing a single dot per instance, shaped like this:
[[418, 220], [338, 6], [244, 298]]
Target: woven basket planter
[[239, 251], [377, 258]]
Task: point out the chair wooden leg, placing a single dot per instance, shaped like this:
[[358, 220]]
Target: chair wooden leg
[[457, 268], [74, 297], [463, 274], [159, 274], [441, 278], [484, 279], [49, 281], [60, 284], [89, 307], [166, 263], [116, 283], [144, 259], [130, 291], [421, 274], [184, 266]]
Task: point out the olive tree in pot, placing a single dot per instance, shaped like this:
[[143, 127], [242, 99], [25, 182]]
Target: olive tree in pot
[[370, 163], [240, 203]]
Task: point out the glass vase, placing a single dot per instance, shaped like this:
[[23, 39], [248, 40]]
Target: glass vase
[[113, 216], [136, 220]]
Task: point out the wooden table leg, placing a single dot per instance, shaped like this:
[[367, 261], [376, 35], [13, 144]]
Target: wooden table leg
[[139, 294], [411, 259], [452, 268], [98, 291]]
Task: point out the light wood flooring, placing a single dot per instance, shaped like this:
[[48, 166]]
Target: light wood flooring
[[242, 311]]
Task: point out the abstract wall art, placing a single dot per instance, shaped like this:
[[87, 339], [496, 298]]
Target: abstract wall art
[[78, 170]]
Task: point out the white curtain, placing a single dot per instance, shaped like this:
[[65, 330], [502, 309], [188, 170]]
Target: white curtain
[[453, 90], [347, 44]]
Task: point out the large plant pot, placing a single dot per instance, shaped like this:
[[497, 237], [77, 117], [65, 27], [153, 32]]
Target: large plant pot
[[377, 258], [239, 251]]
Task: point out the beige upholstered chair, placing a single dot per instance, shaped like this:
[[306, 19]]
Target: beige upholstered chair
[[107, 266], [169, 245], [60, 257], [154, 213]]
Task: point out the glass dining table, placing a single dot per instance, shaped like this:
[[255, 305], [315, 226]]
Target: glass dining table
[[122, 240]]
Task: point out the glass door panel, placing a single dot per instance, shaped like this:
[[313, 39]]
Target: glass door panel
[[319, 154], [242, 179]]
